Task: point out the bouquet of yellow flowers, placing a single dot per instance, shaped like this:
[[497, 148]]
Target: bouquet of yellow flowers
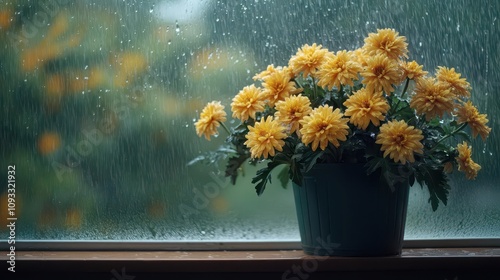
[[370, 105]]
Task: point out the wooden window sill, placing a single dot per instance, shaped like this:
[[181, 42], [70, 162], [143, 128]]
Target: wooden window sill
[[450, 263]]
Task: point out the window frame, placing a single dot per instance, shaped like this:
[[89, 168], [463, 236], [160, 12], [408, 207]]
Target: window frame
[[217, 245]]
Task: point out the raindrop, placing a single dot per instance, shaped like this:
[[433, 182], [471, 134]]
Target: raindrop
[[177, 28]]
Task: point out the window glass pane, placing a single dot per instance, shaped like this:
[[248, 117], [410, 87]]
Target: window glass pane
[[99, 99]]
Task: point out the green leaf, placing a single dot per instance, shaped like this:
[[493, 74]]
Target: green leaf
[[374, 164], [264, 175], [197, 159], [411, 179], [436, 181], [464, 135], [283, 176], [233, 164]]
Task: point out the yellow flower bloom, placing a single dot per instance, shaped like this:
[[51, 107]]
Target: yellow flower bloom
[[465, 162], [400, 141], [380, 73], [432, 98], [210, 118], [322, 126], [247, 102], [270, 70], [364, 107], [386, 42], [265, 137], [360, 56], [291, 110], [307, 59], [338, 69], [468, 113], [459, 86], [278, 86], [412, 70]]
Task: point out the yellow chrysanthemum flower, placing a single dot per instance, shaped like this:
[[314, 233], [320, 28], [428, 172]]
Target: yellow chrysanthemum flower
[[432, 98], [248, 102], [364, 107], [360, 56], [380, 74], [278, 86], [400, 141], [468, 113], [465, 162], [263, 74], [386, 42], [338, 69], [307, 60], [412, 70], [291, 110], [323, 126], [271, 69], [459, 86], [265, 137], [210, 119]]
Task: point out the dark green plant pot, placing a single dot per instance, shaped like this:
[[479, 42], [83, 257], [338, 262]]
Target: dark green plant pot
[[343, 212]]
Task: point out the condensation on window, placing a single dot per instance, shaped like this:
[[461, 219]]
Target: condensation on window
[[99, 100]]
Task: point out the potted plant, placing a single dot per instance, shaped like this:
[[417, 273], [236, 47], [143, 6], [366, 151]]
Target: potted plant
[[355, 129]]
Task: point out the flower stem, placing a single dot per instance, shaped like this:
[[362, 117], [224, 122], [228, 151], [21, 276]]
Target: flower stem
[[225, 128], [402, 95], [315, 93], [406, 87], [462, 126]]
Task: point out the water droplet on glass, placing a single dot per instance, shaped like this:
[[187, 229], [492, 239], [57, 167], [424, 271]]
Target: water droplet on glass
[[177, 28]]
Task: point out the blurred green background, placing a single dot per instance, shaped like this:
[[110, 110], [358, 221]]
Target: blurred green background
[[99, 99]]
